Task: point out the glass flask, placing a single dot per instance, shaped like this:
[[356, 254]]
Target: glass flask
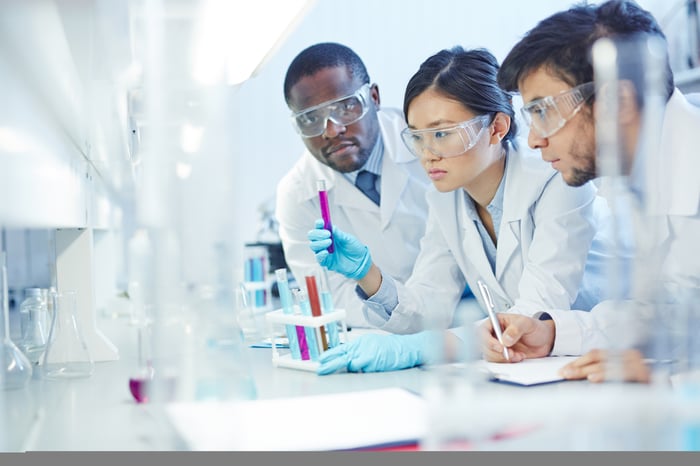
[[66, 355], [16, 368], [35, 322]]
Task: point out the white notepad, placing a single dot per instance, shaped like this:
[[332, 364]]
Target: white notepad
[[322, 422], [530, 371]]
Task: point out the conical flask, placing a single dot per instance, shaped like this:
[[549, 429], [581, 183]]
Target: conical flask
[[16, 370], [66, 355]]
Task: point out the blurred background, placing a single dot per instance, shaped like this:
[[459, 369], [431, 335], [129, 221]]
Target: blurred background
[[168, 116]]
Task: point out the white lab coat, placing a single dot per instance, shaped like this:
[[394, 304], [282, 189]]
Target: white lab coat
[[667, 235], [543, 242], [392, 230]]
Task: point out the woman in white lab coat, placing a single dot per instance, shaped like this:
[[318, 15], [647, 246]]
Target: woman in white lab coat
[[496, 215]]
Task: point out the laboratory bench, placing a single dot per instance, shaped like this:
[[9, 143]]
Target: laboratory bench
[[99, 413]]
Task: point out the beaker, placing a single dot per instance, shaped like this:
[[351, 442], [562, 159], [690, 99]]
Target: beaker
[[250, 320], [16, 370], [66, 354]]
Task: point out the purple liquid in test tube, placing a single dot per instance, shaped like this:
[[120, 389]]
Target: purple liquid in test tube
[[325, 210]]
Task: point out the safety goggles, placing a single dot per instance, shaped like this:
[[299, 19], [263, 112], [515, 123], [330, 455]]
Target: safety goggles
[[445, 142], [311, 122], [549, 114]]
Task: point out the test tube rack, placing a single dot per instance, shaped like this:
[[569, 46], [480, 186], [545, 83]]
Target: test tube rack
[[279, 318]]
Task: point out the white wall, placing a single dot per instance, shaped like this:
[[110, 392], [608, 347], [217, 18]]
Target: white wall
[[393, 37]]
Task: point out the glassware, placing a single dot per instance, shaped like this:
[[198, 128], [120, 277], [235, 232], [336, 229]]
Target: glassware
[[66, 355], [140, 382], [250, 322], [455, 390], [255, 273], [16, 368], [216, 365], [34, 322]]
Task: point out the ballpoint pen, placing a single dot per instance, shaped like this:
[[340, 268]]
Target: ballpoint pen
[[490, 308]]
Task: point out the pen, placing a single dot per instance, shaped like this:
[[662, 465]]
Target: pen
[[490, 308], [325, 210]]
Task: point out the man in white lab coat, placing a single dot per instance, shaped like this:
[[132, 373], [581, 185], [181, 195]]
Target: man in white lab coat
[[336, 111], [552, 60]]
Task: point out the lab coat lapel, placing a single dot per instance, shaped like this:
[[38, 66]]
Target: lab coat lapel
[[394, 175], [473, 249], [393, 184], [508, 243], [345, 194], [516, 200], [348, 195]]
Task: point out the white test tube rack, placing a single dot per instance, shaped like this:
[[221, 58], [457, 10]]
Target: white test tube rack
[[278, 317]]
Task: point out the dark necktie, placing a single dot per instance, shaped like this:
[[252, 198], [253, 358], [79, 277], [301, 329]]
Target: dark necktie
[[365, 182]]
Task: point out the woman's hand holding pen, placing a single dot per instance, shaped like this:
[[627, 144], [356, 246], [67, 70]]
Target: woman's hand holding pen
[[350, 257], [525, 338]]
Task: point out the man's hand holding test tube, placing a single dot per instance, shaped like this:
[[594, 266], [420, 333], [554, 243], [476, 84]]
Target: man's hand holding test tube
[[325, 210], [353, 260]]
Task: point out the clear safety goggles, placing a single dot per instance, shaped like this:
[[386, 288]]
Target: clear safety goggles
[[445, 142], [549, 114], [311, 122]]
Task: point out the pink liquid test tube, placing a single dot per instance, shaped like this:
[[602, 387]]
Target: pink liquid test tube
[[325, 210]]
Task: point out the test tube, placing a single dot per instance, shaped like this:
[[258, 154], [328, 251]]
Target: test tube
[[255, 275], [311, 340], [327, 307], [315, 303], [325, 210], [287, 308]]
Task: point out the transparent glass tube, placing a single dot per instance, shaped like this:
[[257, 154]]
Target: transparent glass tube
[[328, 307], [454, 386], [288, 308]]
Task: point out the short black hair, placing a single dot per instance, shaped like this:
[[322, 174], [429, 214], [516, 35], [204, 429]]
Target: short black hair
[[323, 55], [468, 76], [563, 42]]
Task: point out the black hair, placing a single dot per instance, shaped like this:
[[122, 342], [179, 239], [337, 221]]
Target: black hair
[[323, 55], [563, 42], [468, 77]]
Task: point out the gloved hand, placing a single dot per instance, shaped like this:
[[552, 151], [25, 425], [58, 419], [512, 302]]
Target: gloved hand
[[350, 257], [380, 353]]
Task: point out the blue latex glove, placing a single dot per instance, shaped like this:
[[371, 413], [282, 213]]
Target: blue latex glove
[[381, 353], [350, 257]]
